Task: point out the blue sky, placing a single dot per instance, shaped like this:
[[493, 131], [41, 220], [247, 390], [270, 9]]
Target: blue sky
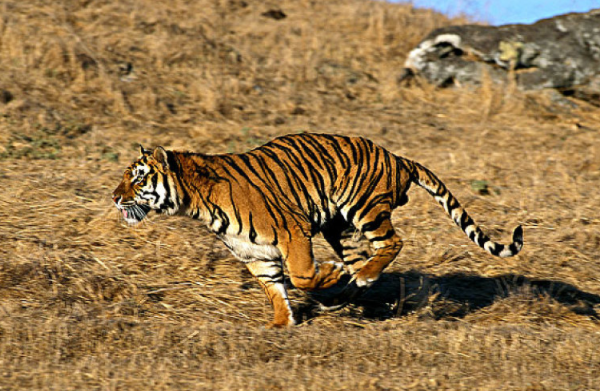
[[508, 11]]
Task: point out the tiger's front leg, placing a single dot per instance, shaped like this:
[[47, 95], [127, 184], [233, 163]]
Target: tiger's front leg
[[269, 274]]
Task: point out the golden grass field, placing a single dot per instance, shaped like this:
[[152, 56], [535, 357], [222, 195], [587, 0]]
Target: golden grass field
[[87, 302]]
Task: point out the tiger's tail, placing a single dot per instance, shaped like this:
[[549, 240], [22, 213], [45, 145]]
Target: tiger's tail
[[434, 186]]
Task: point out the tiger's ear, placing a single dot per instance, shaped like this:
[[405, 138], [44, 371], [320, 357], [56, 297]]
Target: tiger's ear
[[143, 151], [160, 155]]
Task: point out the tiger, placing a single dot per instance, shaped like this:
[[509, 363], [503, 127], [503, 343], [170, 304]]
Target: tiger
[[267, 204]]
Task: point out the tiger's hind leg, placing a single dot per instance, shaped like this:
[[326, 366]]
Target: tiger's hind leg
[[354, 250], [348, 243], [385, 245], [269, 274]]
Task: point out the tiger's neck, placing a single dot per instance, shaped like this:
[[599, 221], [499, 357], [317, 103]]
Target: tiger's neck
[[195, 180]]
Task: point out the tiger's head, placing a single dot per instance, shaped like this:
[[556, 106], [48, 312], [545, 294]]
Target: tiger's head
[[146, 186]]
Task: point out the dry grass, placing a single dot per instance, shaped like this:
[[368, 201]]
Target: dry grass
[[88, 303]]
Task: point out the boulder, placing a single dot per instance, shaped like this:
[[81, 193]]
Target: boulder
[[562, 52]]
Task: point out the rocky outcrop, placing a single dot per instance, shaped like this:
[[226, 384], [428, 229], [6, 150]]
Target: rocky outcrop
[[562, 52]]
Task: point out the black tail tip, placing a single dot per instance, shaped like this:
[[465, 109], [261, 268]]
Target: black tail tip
[[518, 235]]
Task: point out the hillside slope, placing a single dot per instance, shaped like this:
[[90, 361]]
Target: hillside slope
[[89, 303]]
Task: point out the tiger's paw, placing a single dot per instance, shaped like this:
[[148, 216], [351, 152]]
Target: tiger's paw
[[367, 276], [281, 324], [334, 306], [275, 325], [343, 298]]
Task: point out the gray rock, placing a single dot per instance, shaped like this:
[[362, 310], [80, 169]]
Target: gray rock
[[562, 52]]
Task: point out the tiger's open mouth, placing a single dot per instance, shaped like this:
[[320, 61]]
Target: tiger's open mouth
[[135, 213]]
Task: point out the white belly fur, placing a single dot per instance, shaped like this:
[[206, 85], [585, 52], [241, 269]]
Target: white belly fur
[[247, 251]]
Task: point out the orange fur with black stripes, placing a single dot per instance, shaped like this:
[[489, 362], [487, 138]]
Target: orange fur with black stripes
[[267, 204]]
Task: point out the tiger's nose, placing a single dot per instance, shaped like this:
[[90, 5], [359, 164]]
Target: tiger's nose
[[116, 199]]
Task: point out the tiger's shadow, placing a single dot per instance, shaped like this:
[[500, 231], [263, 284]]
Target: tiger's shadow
[[453, 296]]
